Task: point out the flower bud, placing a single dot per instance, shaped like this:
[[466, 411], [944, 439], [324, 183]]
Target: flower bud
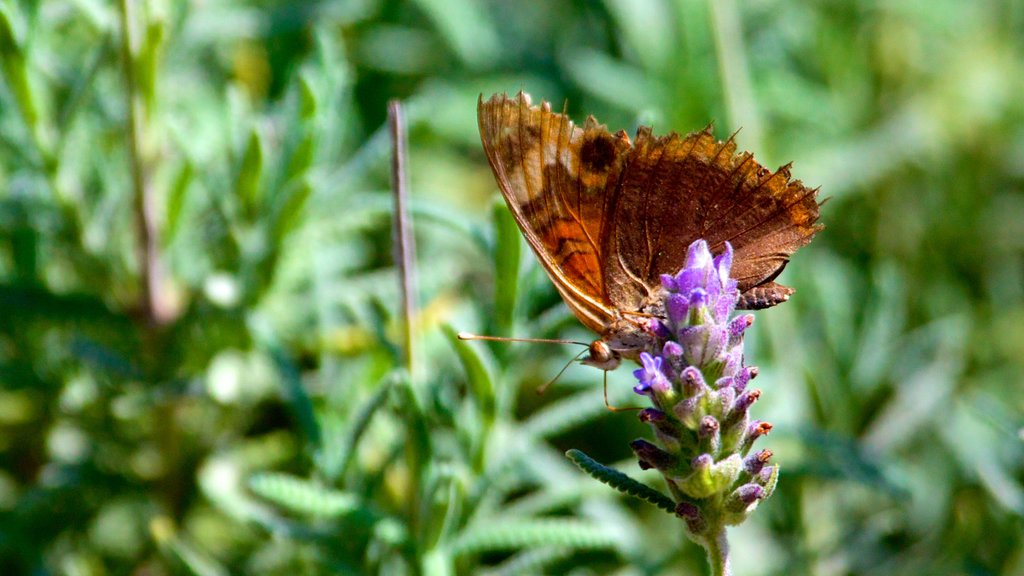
[[691, 514], [755, 430], [677, 307], [744, 376], [754, 463], [667, 429], [738, 325], [743, 497], [710, 440], [651, 456]]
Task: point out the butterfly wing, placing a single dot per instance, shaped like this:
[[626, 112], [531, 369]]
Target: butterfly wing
[[559, 180], [675, 190]]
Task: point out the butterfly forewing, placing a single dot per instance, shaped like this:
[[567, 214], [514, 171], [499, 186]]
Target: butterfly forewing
[[559, 200]]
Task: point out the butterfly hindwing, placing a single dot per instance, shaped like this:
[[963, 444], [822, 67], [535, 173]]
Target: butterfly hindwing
[[678, 189]]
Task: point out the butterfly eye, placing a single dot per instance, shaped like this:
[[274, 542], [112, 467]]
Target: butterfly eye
[[602, 356]]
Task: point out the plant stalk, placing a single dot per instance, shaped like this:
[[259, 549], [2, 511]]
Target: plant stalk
[[717, 547], [403, 239], [154, 307]]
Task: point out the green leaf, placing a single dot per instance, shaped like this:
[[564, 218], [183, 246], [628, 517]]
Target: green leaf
[[289, 214], [183, 554], [467, 28], [309, 103], [148, 63], [620, 481], [295, 393], [481, 381], [574, 411], [507, 249], [176, 197], [302, 496], [533, 561], [359, 425], [520, 534], [250, 171], [16, 69]]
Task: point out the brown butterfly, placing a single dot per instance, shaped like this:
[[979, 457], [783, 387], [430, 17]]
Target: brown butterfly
[[607, 216]]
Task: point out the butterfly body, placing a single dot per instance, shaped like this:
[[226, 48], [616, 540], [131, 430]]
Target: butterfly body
[[607, 216]]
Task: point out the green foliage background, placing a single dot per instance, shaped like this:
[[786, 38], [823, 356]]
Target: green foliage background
[[256, 417]]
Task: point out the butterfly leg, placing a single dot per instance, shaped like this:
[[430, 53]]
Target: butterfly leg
[[615, 408]]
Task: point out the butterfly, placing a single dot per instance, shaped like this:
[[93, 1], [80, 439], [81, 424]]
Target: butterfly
[[607, 216]]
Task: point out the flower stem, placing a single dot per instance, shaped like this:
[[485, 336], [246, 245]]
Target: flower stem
[[153, 303], [717, 546]]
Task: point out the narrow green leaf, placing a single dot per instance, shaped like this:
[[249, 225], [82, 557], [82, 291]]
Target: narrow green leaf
[[301, 158], [295, 393], [418, 447], [466, 27], [533, 561], [302, 496], [506, 268], [481, 381], [249, 173], [525, 534], [620, 481], [17, 74], [176, 197], [184, 555], [148, 63], [573, 411], [309, 103], [289, 214], [360, 422]]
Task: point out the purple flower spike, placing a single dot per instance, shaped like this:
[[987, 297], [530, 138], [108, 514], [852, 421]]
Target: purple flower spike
[[708, 426], [726, 398], [650, 376], [672, 349], [702, 462], [746, 400], [723, 264], [677, 307], [724, 305], [744, 376], [750, 493], [754, 430], [698, 255], [733, 362], [659, 329], [652, 415], [694, 342], [693, 382], [698, 298], [687, 510], [754, 463], [739, 324], [691, 514], [718, 340], [651, 456], [694, 339]]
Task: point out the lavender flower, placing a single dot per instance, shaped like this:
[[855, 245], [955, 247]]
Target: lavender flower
[[701, 403]]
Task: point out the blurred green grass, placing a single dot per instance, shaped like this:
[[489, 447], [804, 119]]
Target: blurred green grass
[[264, 424]]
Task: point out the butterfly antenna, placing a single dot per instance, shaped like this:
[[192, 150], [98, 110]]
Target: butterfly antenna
[[544, 387], [469, 336], [615, 408]]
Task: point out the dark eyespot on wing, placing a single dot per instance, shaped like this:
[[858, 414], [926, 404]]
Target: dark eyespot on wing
[[598, 152]]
